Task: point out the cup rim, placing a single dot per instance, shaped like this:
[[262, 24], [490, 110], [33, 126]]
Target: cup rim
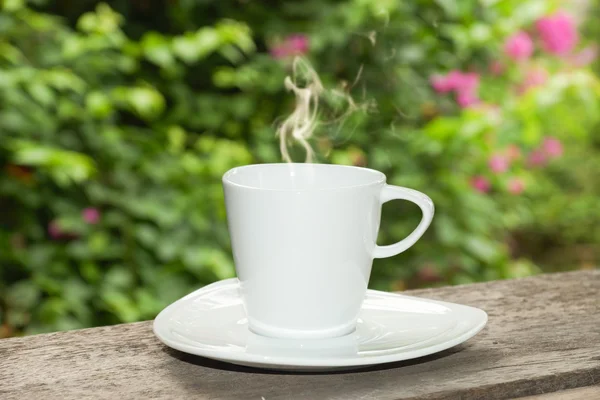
[[380, 177]]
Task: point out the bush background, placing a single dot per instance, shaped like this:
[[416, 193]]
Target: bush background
[[118, 119]]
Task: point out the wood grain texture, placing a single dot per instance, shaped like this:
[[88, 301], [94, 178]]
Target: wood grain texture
[[586, 393], [543, 336]]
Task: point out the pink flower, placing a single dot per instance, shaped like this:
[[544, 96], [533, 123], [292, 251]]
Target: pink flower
[[468, 82], [298, 44], [496, 68], [516, 186], [536, 158], [552, 147], [481, 184], [279, 52], [584, 57], [498, 163], [465, 99], [293, 45], [455, 79], [54, 230], [465, 85], [519, 46], [535, 77], [447, 83], [91, 215], [558, 33], [441, 84]]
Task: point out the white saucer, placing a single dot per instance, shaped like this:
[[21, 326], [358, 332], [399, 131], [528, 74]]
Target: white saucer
[[211, 322]]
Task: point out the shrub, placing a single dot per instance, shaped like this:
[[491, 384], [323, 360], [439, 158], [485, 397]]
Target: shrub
[[116, 130]]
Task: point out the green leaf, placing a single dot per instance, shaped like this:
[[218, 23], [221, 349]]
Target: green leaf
[[482, 248], [196, 258], [121, 305], [90, 271], [87, 22], [98, 104], [53, 309], [236, 33], [41, 93], [157, 49], [146, 101], [167, 249], [147, 303], [64, 166], [177, 137], [442, 128], [147, 234], [64, 79], [118, 278], [447, 230], [13, 5], [104, 20], [194, 46], [222, 265], [22, 295], [98, 242]]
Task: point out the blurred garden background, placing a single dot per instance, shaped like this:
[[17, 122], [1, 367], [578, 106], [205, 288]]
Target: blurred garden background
[[118, 118]]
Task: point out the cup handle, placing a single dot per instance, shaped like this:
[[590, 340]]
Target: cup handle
[[390, 192]]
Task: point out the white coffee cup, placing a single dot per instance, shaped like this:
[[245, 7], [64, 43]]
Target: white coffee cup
[[303, 239]]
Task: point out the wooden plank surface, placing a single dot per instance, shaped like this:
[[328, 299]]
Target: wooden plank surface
[[586, 393], [543, 336]]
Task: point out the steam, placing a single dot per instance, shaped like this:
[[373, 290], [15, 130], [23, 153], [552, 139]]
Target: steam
[[301, 123], [308, 90]]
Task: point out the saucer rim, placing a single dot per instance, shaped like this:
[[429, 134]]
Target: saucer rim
[[254, 360]]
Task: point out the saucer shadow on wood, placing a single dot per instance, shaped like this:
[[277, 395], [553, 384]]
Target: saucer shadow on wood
[[225, 366]]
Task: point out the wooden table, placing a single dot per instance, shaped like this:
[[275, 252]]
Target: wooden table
[[542, 342]]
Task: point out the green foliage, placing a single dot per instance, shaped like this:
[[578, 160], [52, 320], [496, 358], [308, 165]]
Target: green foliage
[[136, 113]]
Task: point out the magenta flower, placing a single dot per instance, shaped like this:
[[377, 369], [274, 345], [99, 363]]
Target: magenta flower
[[519, 46], [447, 83], [91, 215], [465, 99], [498, 163], [481, 184], [584, 57], [298, 44], [558, 33], [457, 81], [293, 45], [465, 85], [552, 147], [468, 82], [279, 52], [537, 158], [441, 84], [536, 76], [516, 186], [54, 230]]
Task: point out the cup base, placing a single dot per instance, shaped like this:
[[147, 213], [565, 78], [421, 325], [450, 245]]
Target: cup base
[[283, 333]]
